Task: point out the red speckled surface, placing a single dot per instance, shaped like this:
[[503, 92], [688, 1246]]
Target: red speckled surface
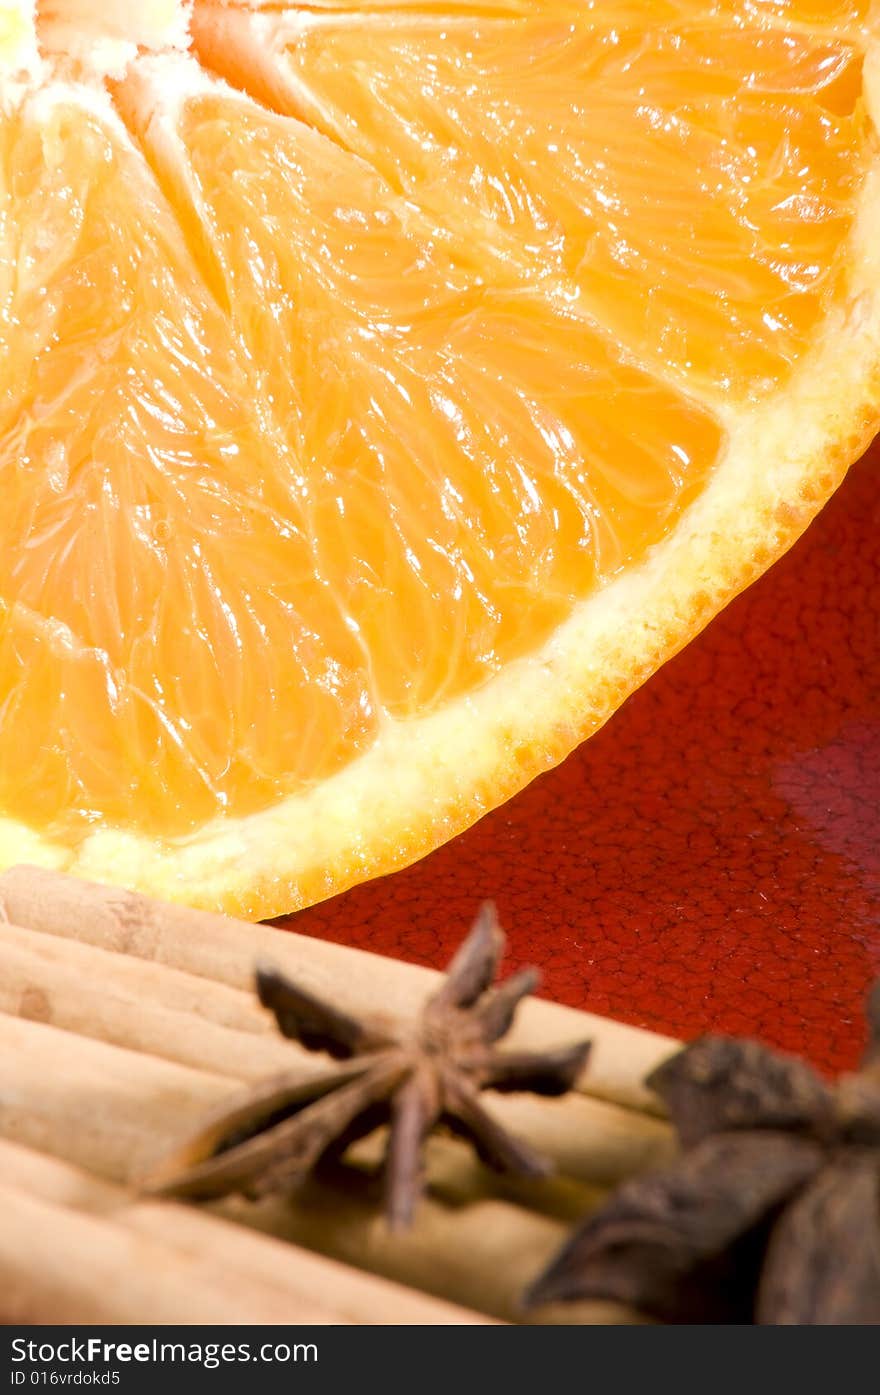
[[710, 859]]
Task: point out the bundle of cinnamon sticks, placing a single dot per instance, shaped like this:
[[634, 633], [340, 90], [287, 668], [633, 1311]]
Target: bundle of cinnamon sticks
[[123, 1019]]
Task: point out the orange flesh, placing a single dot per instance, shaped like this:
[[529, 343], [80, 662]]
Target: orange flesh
[[165, 609], [330, 439], [545, 130], [462, 439]]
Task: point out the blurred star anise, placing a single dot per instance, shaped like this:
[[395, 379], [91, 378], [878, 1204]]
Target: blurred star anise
[[770, 1215], [412, 1077]]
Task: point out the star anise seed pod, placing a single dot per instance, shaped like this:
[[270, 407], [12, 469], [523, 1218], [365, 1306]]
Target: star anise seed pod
[[412, 1077], [770, 1215]]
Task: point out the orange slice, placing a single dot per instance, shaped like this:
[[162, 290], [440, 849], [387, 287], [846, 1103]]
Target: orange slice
[[387, 391]]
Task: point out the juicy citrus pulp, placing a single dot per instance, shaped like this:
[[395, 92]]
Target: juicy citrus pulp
[[386, 392]]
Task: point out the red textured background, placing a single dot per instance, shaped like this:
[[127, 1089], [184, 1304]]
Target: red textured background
[[710, 859]]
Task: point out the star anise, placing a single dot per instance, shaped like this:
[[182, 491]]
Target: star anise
[[411, 1077], [770, 1215]]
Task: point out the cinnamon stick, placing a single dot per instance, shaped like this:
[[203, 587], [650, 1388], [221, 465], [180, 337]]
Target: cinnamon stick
[[60, 1266], [106, 1109], [483, 1251], [215, 947], [140, 1006], [255, 1279], [235, 1008]]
